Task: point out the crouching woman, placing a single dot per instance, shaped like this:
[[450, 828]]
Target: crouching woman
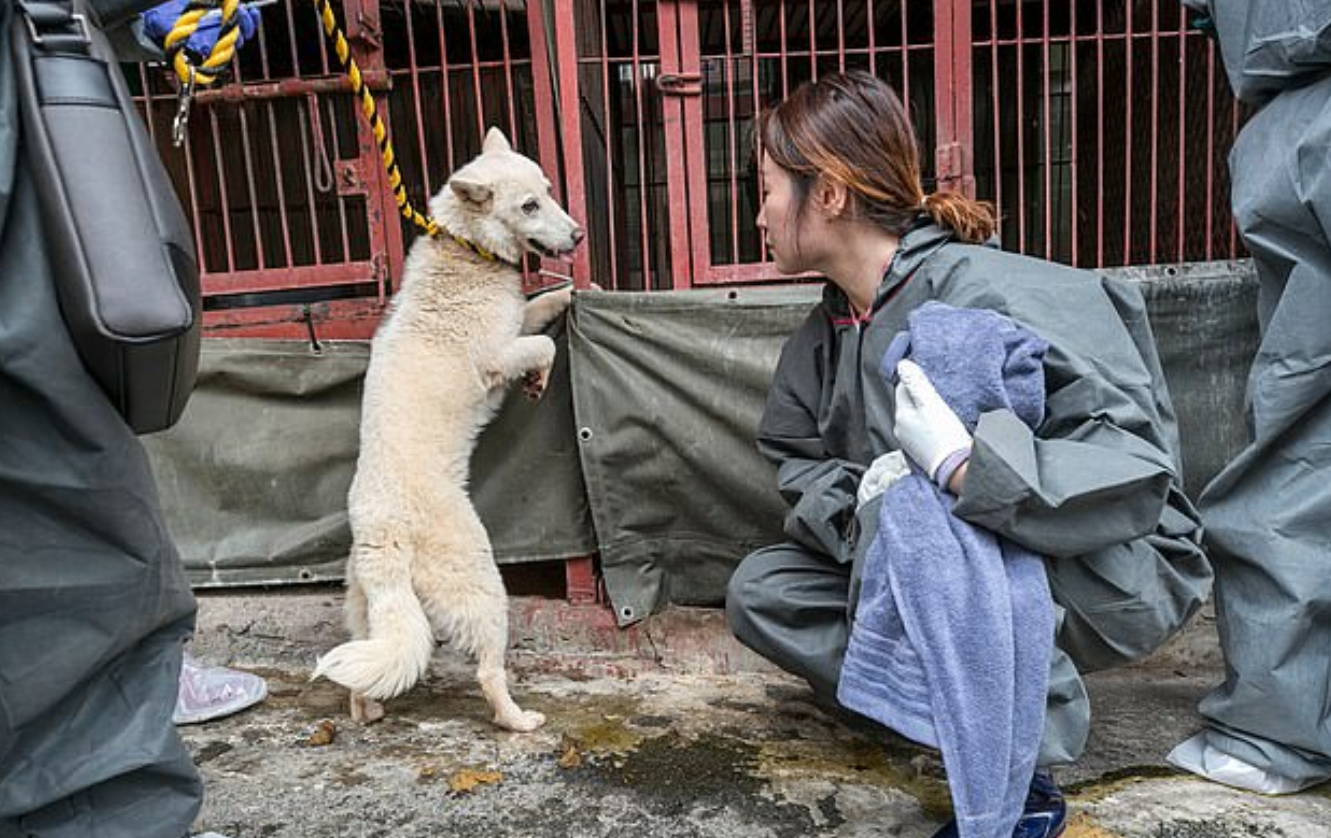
[[1093, 488]]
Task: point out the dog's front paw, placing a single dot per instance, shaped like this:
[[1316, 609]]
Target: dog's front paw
[[523, 721], [533, 383]]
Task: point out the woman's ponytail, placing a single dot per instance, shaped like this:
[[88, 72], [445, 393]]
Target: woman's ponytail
[[973, 222]]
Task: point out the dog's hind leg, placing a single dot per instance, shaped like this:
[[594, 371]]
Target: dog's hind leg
[[396, 649], [363, 708], [471, 608]]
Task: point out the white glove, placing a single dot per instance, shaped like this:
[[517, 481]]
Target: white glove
[[883, 472], [928, 430]]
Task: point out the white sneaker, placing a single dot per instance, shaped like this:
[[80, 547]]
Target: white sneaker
[[210, 692]]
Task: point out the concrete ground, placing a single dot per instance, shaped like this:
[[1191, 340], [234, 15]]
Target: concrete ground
[[669, 728]]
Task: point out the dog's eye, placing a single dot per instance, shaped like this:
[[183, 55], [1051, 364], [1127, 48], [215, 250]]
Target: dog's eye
[[531, 206]]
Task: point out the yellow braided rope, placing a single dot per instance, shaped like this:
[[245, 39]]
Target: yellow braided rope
[[219, 58], [377, 126]]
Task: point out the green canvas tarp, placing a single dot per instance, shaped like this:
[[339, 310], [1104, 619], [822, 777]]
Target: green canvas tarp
[[641, 451]]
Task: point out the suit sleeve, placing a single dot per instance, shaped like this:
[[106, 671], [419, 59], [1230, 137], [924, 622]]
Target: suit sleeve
[[1099, 469], [819, 487]]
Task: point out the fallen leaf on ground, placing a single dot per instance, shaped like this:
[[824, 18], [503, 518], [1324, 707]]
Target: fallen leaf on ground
[[570, 758], [466, 780], [324, 734]]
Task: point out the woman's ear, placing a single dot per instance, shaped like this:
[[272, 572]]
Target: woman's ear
[[830, 197]]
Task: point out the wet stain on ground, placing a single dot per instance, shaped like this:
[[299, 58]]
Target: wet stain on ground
[[1216, 829], [676, 776], [1111, 782], [863, 763]]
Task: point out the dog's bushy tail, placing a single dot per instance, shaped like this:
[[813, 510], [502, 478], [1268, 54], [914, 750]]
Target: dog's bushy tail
[[400, 643]]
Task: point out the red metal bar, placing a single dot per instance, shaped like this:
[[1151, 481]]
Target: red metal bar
[[296, 276], [310, 119], [414, 69], [755, 107], [1210, 143], [367, 148], [697, 153], [224, 202], [566, 52], [677, 141], [449, 160], [813, 42], [1182, 126], [476, 70], [1100, 135], [841, 36], [905, 57], [1127, 143], [336, 320], [283, 215], [508, 69], [609, 151], [1154, 153], [873, 36], [252, 193], [1021, 137], [543, 100], [1074, 227], [580, 581], [237, 92], [955, 139], [732, 152], [996, 112], [643, 180], [1048, 119]]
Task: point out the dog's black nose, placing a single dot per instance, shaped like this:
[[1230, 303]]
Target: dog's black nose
[[579, 234]]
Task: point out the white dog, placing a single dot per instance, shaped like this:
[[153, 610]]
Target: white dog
[[457, 333]]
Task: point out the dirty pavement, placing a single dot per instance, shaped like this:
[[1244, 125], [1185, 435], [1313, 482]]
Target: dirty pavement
[[669, 728]]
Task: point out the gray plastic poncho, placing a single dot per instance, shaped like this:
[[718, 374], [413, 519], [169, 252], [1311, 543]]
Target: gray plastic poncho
[[1096, 488], [93, 602], [1268, 514]]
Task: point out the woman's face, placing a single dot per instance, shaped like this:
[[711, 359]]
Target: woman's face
[[778, 218]]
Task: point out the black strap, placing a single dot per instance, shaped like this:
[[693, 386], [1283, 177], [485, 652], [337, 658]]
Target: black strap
[[54, 27]]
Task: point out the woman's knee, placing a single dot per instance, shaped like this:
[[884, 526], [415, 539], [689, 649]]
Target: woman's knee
[[1125, 602]]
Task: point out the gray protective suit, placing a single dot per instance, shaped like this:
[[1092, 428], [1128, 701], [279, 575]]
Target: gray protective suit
[[93, 603], [1268, 514], [1096, 489]]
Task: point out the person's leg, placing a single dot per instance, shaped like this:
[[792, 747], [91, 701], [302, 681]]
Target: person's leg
[[112, 797], [94, 607], [1268, 514], [789, 605]]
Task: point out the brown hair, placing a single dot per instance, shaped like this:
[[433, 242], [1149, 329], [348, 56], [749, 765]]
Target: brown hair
[[852, 128]]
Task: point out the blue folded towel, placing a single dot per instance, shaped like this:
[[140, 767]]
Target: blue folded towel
[[954, 626]]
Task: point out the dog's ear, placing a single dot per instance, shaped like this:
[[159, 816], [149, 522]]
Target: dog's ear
[[495, 141], [473, 191]]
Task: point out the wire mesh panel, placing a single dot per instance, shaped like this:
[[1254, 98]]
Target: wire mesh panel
[[282, 178], [457, 68], [616, 47], [272, 174], [751, 54], [1101, 130]]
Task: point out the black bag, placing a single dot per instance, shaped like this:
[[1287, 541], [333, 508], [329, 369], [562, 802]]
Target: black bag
[[121, 248]]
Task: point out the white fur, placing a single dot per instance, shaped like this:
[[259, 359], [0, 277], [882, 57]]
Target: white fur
[[458, 332]]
